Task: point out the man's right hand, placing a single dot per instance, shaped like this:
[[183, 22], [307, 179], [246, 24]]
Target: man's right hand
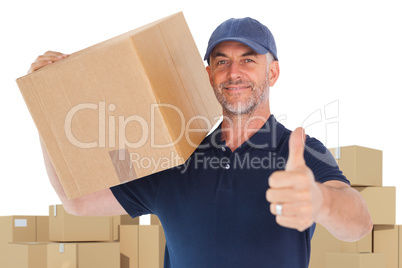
[[46, 59]]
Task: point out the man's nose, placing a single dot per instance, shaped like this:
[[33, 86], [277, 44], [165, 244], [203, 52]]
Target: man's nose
[[234, 71]]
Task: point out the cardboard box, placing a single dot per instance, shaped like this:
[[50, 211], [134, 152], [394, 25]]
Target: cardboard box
[[362, 166], [129, 246], [27, 255], [323, 242], [17, 229], [84, 254], [133, 105], [400, 246], [151, 240], [381, 202], [64, 227], [354, 260], [364, 245], [42, 228], [122, 220], [386, 241], [155, 220]]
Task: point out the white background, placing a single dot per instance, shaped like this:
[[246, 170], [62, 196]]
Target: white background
[[344, 54]]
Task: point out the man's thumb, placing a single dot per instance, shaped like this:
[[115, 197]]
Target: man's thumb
[[296, 149]]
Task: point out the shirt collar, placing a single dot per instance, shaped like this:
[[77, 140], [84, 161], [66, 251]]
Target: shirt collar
[[266, 138]]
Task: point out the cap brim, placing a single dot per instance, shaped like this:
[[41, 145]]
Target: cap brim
[[251, 44]]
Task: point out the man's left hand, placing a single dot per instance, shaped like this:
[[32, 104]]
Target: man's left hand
[[295, 189]]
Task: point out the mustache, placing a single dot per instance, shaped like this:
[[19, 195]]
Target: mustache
[[236, 82]]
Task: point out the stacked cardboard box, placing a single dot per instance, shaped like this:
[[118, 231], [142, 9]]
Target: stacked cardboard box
[[380, 248], [82, 240], [142, 246], [64, 240], [15, 229]]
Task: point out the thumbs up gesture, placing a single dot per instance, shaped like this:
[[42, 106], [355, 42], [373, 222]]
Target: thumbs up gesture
[[295, 197]]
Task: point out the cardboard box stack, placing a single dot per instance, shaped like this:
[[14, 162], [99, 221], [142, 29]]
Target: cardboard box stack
[[142, 246], [90, 242], [130, 106], [383, 246], [14, 229]]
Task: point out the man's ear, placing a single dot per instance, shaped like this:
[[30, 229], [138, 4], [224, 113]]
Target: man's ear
[[273, 72], [208, 68]]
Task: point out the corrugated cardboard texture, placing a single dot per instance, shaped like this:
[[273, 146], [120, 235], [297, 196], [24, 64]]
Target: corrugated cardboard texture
[[129, 246], [10, 233], [139, 91], [386, 241], [381, 202], [65, 227], [88, 255], [67, 258], [400, 247], [155, 220], [362, 166], [151, 246], [354, 260], [364, 245], [323, 242], [42, 228], [122, 220], [27, 255]]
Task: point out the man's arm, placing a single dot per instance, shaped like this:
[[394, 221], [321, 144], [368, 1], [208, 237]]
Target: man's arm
[[334, 204], [102, 203], [344, 212]]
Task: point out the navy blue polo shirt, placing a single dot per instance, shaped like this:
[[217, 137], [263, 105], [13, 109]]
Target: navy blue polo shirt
[[213, 207]]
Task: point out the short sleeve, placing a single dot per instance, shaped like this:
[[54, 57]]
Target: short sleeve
[[320, 160], [138, 197]]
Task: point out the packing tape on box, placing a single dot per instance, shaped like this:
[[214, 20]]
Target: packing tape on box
[[61, 248], [337, 153], [122, 165], [55, 210], [20, 223]]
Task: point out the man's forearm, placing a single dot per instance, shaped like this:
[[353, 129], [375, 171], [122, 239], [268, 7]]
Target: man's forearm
[[54, 180], [344, 212]]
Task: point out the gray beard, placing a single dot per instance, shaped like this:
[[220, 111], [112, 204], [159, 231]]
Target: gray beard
[[260, 94]]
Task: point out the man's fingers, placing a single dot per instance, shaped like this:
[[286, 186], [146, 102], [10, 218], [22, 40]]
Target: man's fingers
[[53, 53], [296, 149], [288, 179], [292, 209], [285, 195], [46, 59], [294, 222]]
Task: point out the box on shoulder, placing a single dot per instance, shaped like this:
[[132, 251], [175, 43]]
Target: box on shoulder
[[381, 202], [354, 260], [64, 227], [84, 254], [128, 107], [362, 166]]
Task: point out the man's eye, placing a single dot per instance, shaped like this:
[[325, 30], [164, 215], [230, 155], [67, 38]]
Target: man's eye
[[248, 60], [221, 62]]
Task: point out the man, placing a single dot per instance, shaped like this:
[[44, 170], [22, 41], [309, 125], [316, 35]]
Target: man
[[250, 193]]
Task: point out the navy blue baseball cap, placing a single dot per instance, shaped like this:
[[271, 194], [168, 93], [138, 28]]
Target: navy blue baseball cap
[[247, 31]]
